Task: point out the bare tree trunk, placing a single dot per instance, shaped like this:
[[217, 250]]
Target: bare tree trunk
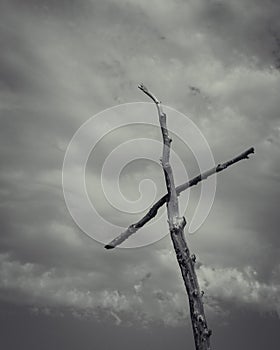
[[154, 209], [176, 227]]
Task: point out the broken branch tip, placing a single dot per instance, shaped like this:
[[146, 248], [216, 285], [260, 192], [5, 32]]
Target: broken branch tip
[[108, 246]]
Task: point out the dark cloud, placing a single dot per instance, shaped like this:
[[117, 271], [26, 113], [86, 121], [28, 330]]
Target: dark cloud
[[239, 29], [63, 61]]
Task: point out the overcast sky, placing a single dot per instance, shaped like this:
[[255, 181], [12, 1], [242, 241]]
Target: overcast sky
[[62, 62]]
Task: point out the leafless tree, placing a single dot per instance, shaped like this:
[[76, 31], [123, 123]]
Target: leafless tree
[[177, 224]]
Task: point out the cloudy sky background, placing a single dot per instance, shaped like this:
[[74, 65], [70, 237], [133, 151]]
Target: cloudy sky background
[[64, 61]]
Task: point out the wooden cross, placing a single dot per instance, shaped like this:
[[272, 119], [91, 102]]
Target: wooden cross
[[186, 261]]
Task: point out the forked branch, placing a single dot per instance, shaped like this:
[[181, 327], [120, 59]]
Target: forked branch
[[154, 209], [176, 227]]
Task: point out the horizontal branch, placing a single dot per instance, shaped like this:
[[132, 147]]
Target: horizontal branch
[[154, 209]]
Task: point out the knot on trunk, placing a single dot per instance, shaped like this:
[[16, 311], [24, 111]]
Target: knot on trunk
[[179, 223], [193, 258], [207, 332]]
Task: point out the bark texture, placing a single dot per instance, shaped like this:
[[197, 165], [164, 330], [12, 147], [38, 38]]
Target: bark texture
[[154, 209], [176, 227]]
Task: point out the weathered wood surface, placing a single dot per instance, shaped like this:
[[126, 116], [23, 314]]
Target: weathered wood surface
[[133, 228], [176, 227]]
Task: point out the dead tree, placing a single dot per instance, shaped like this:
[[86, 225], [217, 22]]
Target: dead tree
[[133, 228], [177, 224]]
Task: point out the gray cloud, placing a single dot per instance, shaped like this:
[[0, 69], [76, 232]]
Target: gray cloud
[[62, 62]]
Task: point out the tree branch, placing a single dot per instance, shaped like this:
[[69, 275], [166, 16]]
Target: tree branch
[[154, 209], [176, 227]]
